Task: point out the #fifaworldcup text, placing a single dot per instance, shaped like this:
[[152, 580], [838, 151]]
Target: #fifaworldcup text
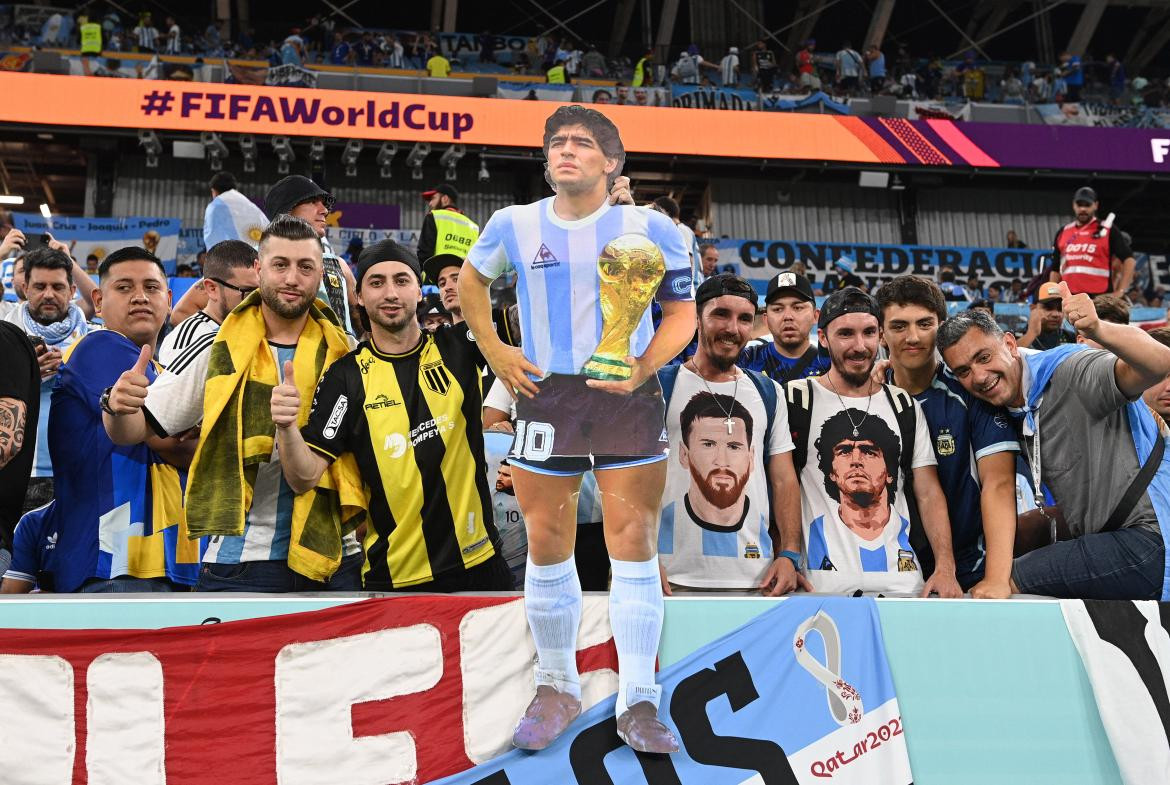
[[303, 111]]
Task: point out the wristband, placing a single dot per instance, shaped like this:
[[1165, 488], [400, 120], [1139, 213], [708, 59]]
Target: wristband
[[792, 556]]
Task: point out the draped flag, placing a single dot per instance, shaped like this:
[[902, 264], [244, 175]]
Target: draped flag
[[800, 694]]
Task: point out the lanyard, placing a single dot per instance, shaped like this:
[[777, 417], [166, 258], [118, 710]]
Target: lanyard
[[1035, 466]]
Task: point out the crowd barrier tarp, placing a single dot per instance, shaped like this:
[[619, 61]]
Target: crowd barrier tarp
[[162, 105], [384, 691], [939, 110], [535, 91], [700, 97], [1125, 648], [800, 694], [100, 236], [624, 96], [778, 102]]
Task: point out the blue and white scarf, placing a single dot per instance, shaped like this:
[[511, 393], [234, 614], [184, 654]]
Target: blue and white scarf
[[58, 335]]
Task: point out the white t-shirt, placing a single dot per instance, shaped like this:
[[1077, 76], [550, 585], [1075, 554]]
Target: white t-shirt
[[728, 68], [197, 328], [500, 399], [713, 530], [838, 558]]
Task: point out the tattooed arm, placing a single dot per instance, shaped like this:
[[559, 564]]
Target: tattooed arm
[[11, 429]]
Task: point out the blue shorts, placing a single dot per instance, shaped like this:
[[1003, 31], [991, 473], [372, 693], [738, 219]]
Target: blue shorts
[[570, 428]]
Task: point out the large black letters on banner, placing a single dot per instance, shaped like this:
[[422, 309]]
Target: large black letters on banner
[[688, 709], [498, 778], [588, 751], [1121, 624]]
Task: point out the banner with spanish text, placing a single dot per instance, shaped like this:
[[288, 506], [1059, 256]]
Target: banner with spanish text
[[385, 691], [697, 97], [100, 236]]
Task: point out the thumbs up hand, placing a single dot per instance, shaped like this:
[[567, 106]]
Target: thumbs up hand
[[1078, 308], [286, 400], [129, 393]]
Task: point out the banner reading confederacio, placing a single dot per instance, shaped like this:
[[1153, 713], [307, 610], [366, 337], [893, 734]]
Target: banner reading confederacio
[[874, 263]]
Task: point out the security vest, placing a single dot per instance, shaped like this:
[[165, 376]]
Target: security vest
[[1085, 259], [556, 74], [91, 38], [455, 233]]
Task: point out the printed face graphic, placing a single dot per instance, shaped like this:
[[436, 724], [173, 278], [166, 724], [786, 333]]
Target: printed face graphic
[[859, 469], [720, 463]]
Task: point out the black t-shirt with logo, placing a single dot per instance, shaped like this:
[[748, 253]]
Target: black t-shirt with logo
[[412, 421]]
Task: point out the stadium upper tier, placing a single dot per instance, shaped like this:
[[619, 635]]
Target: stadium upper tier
[[930, 90]]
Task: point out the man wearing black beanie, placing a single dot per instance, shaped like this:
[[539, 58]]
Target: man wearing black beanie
[[398, 404]]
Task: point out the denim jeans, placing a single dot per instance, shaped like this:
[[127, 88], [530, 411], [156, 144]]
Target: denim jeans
[[128, 585], [275, 577], [1126, 564]]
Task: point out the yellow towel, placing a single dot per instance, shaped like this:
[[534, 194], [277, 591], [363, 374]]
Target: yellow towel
[[238, 435]]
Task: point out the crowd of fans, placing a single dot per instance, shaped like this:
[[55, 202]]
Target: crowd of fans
[[842, 70], [238, 441]]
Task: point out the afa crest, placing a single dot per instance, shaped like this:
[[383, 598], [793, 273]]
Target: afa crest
[[944, 443]]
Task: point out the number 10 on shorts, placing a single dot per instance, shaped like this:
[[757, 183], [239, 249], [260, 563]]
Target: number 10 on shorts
[[534, 440]]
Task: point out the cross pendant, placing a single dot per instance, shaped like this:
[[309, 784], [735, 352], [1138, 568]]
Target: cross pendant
[[728, 422]]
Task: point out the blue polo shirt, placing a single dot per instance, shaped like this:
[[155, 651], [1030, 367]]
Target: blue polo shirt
[[963, 429]]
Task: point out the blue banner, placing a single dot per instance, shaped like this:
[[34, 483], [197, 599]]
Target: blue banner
[[697, 97], [802, 693], [775, 102], [100, 236], [759, 260]]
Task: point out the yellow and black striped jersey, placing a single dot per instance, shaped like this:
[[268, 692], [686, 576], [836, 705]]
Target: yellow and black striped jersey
[[413, 422]]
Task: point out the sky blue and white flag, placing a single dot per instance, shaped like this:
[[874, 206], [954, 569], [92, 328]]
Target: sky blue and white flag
[[800, 694]]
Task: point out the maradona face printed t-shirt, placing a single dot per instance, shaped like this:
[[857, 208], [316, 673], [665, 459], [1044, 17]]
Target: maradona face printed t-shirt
[[714, 519], [856, 518]]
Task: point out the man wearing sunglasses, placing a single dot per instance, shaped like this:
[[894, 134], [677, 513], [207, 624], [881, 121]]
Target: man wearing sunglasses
[[229, 275]]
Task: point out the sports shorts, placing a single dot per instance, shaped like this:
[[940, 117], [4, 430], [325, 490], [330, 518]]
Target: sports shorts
[[570, 428]]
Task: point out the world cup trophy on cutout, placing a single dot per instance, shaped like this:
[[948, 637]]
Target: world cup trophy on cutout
[[631, 267]]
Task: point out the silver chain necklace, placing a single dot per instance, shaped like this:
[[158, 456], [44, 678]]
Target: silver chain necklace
[[729, 421], [856, 425]]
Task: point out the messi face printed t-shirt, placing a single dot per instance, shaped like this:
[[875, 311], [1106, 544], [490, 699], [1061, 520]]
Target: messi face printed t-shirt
[[715, 514], [856, 519]]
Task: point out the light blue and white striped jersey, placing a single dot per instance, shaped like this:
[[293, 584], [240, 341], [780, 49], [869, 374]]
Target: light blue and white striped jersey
[[557, 280]]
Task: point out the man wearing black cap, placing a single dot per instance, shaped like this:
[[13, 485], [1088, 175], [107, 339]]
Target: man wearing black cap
[[868, 481], [730, 475], [432, 314], [1086, 250], [397, 403], [445, 230], [1046, 323], [790, 315], [301, 197]]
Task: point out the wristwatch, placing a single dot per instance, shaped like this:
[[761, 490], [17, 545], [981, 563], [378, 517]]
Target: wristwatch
[[104, 401]]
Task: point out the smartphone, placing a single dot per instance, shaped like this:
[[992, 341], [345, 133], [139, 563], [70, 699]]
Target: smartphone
[[46, 238], [38, 344]]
